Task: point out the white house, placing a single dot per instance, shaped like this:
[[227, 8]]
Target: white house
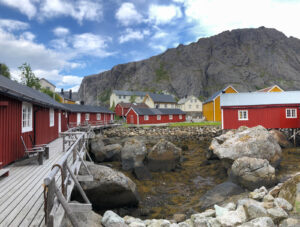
[[118, 96], [190, 104], [160, 101], [46, 84]]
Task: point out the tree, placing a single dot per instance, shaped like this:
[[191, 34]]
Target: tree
[[133, 98], [4, 70], [28, 77], [51, 94]]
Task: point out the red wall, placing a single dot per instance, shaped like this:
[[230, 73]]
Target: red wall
[[92, 120], [64, 121], [118, 111], [267, 116], [132, 119]]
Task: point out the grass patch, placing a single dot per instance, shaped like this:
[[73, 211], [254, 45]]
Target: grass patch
[[203, 123]]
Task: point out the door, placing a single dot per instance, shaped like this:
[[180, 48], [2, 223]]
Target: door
[[78, 118], [59, 122], [131, 119]]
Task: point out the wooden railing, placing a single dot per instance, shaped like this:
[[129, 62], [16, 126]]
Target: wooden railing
[[59, 183], [90, 123]]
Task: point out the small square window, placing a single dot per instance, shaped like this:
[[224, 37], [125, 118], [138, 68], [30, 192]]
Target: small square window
[[98, 117], [180, 117], [243, 115], [291, 113], [170, 117], [166, 105], [158, 117], [87, 116], [146, 117], [51, 115]]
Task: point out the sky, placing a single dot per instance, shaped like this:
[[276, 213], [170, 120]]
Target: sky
[[65, 40]]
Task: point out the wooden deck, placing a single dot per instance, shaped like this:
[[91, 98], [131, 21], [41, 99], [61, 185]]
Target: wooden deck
[[22, 192]]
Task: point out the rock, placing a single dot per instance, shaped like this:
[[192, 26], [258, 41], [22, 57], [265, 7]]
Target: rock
[[255, 211], [186, 223], [252, 173], [90, 219], [275, 191], [282, 203], [254, 142], [220, 211], [112, 219], [233, 218], [288, 190], [268, 198], [179, 217], [230, 206], [280, 138], [159, 223], [277, 214], [258, 194], [259, 222], [109, 189], [164, 156], [96, 144], [219, 193], [290, 222], [205, 214], [137, 224], [108, 153], [142, 173], [133, 154], [247, 202], [206, 222]]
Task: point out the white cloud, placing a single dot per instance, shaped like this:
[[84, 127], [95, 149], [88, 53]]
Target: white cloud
[[163, 14], [131, 34], [216, 16], [160, 34], [79, 10], [26, 7], [127, 14], [27, 36], [13, 25], [60, 31]]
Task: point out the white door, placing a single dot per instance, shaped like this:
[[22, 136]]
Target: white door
[[78, 118], [59, 122]]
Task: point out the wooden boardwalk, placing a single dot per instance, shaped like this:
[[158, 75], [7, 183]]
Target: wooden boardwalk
[[22, 192]]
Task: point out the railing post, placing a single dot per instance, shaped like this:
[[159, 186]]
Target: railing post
[[64, 173], [63, 143], [49, 201]]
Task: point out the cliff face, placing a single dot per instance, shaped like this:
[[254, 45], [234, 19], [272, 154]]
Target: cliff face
[[249, 59]]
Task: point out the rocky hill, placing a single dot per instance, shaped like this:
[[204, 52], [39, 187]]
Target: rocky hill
[[249, 59]]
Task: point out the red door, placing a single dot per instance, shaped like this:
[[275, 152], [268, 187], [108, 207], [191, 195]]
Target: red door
[[131, 119]]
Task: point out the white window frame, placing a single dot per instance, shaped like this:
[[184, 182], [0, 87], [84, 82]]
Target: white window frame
[[170, 117], [51, 117], [27, 114], [87, 116], [180, 116], [158, 117], [166, 105], [98, 116], [291, 113], [243, 118], [146, 117]]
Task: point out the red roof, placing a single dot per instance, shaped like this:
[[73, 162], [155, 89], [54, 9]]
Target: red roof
[[128, 105]]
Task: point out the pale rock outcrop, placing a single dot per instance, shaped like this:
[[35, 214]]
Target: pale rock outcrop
[[259, 193], [277, 214], [111, 219], [282, 203], [280, 138], [259, 222]]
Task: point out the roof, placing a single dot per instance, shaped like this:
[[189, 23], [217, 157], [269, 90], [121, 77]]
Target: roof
[[21, 92], [66, 95], [184, 100], [260, 98], [128, 105], [162, 98], [86, 108], [154, 111], [267, 89], [216, 94], [129, 93], [48, 82]]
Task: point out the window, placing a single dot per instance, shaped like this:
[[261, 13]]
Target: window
[[166, 105], [180, 117], [66, 115], [51, 116], [243, 115], [158, 117], [146, 117], [26, 117], [98, 117], [170, 117], [120, 96], [291, 113], [87, 116], [190, 106], [124, 97], [197, 106]]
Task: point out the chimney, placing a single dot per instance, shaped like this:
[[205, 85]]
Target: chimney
[[62, 91], [70, 94], [81, 102]]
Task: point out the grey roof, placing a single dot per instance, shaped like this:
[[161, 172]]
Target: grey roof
[[216, 94], [21, 92], [129, 93], [86, 108], [153, 111], [260, 98], [162, 98], [66, 95], [184, 100]]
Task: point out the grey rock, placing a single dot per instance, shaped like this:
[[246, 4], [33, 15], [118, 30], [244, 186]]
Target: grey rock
[[205, 214], [233, 218], [258, 193], [133, 154], [277, 214], [179, 217], [90, 219], [281, 138], [255, 211], [282, 203], [253, 173], [112, 219], [142, 173], [290, 222], [259, 222], [108, 153], [164, 156]]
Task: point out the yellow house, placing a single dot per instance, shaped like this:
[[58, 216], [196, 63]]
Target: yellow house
[[274, 88], [211, 107]]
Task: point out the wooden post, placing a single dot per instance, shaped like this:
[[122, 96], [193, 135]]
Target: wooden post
[[50, 202], [40, 157], [64, 175], [47, 152], [294, 131], [63, 143]]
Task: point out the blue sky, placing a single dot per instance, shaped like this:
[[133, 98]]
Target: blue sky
[[64, 40]]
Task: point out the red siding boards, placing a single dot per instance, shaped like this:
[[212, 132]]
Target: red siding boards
[[105, 118], [269, 116], [64, 121]]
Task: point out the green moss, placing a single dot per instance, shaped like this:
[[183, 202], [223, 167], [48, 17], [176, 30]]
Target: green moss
[[161, 74], [104, 96]]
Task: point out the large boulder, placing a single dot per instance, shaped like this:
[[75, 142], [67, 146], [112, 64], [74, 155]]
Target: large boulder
[[252, 173], [108, 153], [96, 144], [280, 138], [109, 189], [133, 154], [164, 156], [254, 142], [85, 219], [219, 193]]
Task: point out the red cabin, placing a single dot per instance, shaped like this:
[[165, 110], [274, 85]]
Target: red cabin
[[85, 114], [122, 108], [28, 113], [139, 116], [271, 110]]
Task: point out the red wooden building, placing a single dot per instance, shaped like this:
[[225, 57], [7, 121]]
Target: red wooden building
[[122, 108], [28, 113], [271, 109], [154, 116], [83, 114]]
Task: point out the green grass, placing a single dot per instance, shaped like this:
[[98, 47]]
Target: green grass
[[203, 123]]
